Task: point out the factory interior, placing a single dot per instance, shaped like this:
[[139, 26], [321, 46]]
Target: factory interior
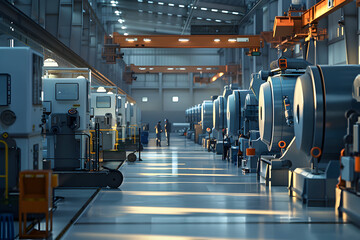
[[179, 119]]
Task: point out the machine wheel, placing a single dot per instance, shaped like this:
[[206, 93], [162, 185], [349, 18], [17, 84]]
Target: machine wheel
[[131, 157], [115, 178]]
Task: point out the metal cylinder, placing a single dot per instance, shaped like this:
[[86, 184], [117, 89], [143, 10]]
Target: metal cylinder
[[235, 118], [222, 112], [272, 122], [207, 114], [216, 114], [322, 96]]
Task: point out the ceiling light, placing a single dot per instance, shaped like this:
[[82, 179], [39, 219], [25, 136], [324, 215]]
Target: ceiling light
[[194, 7], [140, 0], [114, 2], [224, 11], [131, 39], [142, 68], [147, 40], [171, 4], [208, 68], [151, 68], [101, 89], [125, 34], [217, 20], [169, 14], [123, 27], [140, 10], [204, 9], [208, 19], [182, 6], [221, 74], [183, 39], [235, 13], [179, 15], [160, 13], [199, 18], [150, 11], [121, 20], [160, 3], [110, 92], [170, 69], [117, 12], [119, 97], [214, 10], [151, 2], [232, 40], [182, 69], [198, 68], [228, 21], [216, 40]]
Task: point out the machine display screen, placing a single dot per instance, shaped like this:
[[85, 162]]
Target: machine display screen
[[103, 102], [67, 91]]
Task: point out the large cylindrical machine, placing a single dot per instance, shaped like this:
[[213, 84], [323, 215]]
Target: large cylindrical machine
[[216, 114], [235, 104], [322, 96], [207, 114]]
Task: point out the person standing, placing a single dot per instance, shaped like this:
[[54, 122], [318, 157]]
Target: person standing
[[167, 128], [158, 131]]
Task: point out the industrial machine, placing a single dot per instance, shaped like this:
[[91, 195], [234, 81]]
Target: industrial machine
[[206, 121], [121, 122], [348, 189], [20, 115], [235, 120], [74, 151], [276, 124], [319, 124]]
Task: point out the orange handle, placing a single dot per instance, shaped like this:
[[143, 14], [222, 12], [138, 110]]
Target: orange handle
[[357, 164], [315, 149]]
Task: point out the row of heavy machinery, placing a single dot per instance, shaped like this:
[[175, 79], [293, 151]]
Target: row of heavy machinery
[[297, 126], [56, 118]]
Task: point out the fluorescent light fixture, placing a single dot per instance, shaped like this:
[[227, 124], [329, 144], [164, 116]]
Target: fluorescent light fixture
[[101, 89], [160, 3], [171, 4], [142, 68], [183, 40], [170, 69], [214, 10], [144, 99], [204, 9], [151, 2], [217, 20], [151, 68], [208, 68], [208, 19], [121, 20], [117, 12], [235, 13], [123, 27], [198, 68], [232, 40], [125, 34], [131, 39], [140, 0], [199, 18], [228, 21], [114, 2], [182, 6], [225, 11], [169, 14], [216, 40], [150, 11], [160, 13], [140, 10], [179, 15], [147, 40], [242, 39], [182, 69], [175, 99]]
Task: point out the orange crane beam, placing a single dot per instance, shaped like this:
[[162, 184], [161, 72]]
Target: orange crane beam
[[114, 43], [178, 69]]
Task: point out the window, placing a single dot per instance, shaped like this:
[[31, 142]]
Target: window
[[175, 99], [144, 99], [103, 102], [119, 103], [67, 91]]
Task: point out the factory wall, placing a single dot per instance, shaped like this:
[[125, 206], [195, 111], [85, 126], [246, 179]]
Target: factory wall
[[159, 89]]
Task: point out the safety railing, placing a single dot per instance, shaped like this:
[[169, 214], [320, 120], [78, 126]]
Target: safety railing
[[6, 176]]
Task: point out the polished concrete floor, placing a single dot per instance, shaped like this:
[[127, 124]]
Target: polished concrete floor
[[184, 192]]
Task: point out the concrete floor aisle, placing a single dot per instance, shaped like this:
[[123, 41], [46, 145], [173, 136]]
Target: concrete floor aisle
[[183, 192]]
